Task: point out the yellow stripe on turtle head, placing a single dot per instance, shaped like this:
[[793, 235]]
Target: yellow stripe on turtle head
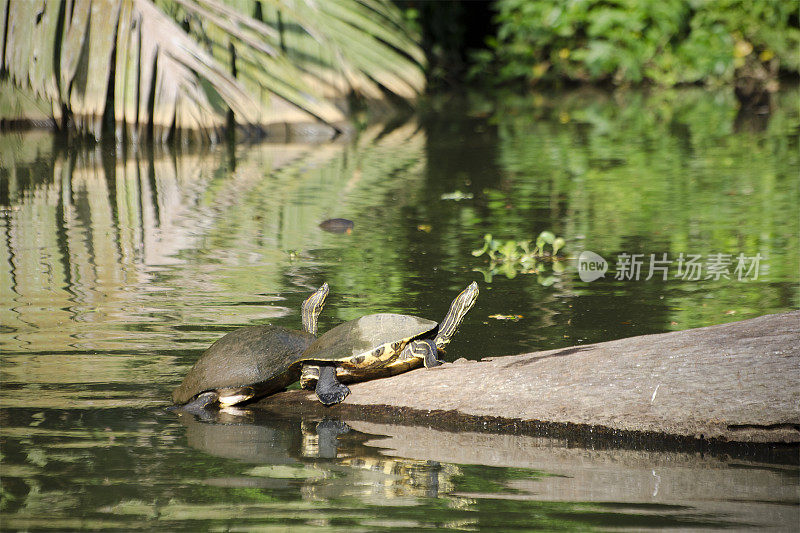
[[455, 315], [312, 307]]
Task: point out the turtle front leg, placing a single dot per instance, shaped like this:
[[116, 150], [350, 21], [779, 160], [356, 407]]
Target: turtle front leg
[[329, 390], [424, 349], [430, 358], [309, 376], [201, 402]]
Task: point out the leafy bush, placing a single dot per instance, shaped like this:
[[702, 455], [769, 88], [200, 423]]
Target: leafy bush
[[667, 42]]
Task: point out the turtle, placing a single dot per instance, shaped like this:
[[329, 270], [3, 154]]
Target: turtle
[[249, 362], [337, 225], [378, 345]]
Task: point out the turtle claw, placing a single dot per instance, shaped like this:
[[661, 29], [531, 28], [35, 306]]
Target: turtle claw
[[333, 397], [433, 362], [329, 390], [202, 402], [201, 407]]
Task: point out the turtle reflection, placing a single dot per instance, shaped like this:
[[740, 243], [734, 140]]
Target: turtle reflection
[[326, 457]]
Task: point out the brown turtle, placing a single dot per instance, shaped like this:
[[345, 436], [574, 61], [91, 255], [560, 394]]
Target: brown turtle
[[250, 362]]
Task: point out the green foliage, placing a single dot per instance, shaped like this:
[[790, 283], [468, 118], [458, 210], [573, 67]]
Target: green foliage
[[512, 257], [669, 170], [667, 42]]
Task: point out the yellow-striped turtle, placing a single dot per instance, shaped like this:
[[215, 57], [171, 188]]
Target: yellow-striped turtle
[[378, 345], [250, 362]]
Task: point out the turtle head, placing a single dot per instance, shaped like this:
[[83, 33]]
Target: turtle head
[[467, 298], [312, 307], [458, 310]]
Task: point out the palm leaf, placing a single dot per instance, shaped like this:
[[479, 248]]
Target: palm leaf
[[263, 67], [363, 60], [294, 63]]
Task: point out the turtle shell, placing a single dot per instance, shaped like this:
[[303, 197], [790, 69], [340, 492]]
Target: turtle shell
[[371, 341], [257, 356]]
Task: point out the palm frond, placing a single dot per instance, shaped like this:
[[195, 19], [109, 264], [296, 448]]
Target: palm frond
[[269, 61]]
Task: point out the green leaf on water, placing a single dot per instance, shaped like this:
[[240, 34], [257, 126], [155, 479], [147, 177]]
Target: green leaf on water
[[488, 274], [547, 237], [546, 281], [509, 249], [511, 257], [489, 245], [558, 244], [509, 270]]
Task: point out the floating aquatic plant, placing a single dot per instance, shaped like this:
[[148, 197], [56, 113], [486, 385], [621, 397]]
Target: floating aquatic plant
[[512, 257]]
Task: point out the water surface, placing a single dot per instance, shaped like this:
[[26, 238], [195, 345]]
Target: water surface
[[119, 267]]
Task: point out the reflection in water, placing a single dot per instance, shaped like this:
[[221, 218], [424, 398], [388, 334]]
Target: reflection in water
[[117, 268], [311, 451], [94, 243], [332, 460]]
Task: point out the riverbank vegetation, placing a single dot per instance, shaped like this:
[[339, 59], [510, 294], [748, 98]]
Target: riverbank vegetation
[[663, 42], [167, 67]]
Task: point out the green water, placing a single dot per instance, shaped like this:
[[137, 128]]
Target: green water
[[118, 268]]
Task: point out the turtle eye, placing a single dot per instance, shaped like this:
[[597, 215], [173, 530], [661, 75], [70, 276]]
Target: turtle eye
[[395, 346], [379, 352]]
